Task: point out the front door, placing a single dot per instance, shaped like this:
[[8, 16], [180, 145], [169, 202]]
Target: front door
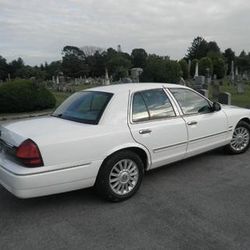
[[206, 129]]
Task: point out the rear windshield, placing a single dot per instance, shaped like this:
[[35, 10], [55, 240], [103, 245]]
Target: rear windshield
[[84, 107]]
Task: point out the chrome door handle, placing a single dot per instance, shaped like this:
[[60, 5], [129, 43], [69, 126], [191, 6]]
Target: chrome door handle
[[145, 131], [192, 123]]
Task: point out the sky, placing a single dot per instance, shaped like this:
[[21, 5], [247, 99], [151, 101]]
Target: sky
[[38, 30]]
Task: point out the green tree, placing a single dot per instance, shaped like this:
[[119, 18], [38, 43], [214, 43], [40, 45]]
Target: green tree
[[198, 49], [184, 68], [96, 64], [74, 63], [139, 58], [243, 62], [205, 64], [229, 56], [118, 66], [3, 69], [173, 71], [15, 67], [73, 51], [213, 47], [53, 69], [219, 67], [159, 69]]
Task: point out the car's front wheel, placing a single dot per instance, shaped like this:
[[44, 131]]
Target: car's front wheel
[[120, 176], [241, 139]]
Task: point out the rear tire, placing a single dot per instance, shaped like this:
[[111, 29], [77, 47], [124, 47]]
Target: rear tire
[[241, 139], [120, 176]]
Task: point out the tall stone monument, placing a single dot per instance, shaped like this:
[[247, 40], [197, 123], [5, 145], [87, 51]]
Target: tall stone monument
[[106, 80], [232, 71], [196, 69]]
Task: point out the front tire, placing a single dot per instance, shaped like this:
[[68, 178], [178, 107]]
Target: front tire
[[241, 139], [120, 176]]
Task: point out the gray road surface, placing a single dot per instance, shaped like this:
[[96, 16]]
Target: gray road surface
[[199, 203]]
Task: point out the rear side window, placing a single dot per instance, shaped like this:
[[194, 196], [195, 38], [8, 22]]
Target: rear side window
[[150, 105], [139, 110]]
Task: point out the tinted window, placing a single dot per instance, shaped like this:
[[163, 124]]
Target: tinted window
[[139, 109], [151, 104], [85, 107], [191, 102]]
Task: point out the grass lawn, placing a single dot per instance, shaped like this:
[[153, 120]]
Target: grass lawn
[[61, 96], [241, 100]]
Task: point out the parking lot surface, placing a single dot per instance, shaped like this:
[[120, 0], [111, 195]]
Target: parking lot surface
[[199, 203]]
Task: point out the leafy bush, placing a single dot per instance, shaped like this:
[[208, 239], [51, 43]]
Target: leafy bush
[[23, 96], [160, 69]]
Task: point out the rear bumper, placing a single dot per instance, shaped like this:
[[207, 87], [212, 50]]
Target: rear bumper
[[48, 182]]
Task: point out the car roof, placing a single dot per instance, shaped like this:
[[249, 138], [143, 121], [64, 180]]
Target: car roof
[[116, 88]]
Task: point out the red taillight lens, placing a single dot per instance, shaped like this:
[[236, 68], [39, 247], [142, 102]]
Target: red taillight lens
[[29, 154]]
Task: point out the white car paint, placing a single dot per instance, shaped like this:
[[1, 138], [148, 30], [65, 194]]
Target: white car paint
[[74, 152]]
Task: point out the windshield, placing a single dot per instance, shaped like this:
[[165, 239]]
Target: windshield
[[85, 107]]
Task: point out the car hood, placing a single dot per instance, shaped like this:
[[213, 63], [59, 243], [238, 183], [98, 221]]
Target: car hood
[[44, 130]]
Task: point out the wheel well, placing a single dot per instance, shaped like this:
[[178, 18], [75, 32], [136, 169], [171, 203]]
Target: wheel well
[[140, 152], [247, 120]]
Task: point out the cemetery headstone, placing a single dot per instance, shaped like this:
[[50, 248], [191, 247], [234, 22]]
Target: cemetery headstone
[[204, 92], [199, 81], [215, 90], [224, 98], [240, 88]]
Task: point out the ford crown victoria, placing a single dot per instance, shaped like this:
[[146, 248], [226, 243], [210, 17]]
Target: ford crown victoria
[[109, 136]]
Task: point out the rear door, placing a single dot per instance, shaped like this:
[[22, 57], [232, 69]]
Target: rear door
[[156, 124]]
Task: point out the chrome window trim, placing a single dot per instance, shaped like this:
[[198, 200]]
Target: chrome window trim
[[131, 96]]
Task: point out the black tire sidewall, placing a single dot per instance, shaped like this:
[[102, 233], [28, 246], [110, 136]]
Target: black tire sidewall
[[230, 148], [102, 183]]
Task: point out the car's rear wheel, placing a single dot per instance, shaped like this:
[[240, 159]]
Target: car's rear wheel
[[241, 139], [120, 176]]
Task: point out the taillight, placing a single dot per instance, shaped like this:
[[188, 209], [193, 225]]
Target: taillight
[[29, 154]]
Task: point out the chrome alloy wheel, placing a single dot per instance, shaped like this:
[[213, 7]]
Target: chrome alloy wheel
[[240, 139], [123, 177]]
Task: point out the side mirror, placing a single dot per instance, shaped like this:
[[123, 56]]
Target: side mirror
[[216, 106]]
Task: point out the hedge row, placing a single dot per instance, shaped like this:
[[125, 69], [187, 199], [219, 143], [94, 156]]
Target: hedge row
[[24, 96]]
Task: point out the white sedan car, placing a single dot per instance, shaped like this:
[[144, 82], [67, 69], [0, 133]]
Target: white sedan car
[[108, 137]]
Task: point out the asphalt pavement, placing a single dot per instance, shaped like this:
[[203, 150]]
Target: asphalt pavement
[[199, 203]]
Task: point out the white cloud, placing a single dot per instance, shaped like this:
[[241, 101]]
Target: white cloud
[[38, 30]]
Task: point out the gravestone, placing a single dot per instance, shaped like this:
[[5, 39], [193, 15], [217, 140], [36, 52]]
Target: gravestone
[[224, 98], [232, 71], [204, 92], [196, 69], [199, 81], [215, 90], [240, 88], [135, 74]]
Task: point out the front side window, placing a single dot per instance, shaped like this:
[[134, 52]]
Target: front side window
[[151, 104], [190, 102], [85, 107]]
